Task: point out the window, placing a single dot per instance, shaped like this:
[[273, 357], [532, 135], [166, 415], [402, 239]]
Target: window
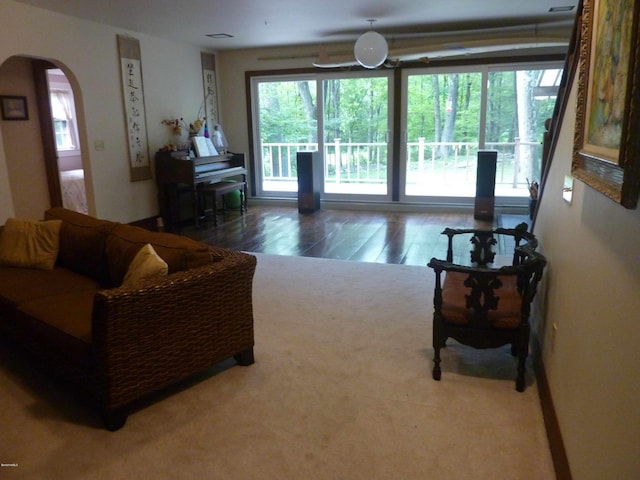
[[447, 115], [514, 126], [62, 111], [451, 114], [287, 123], [442, 133], [346, 117], [356, 135]]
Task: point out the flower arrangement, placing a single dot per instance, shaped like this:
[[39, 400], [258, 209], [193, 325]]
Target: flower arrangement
[[178, 124]]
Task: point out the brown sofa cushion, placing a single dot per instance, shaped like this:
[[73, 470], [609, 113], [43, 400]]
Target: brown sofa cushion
[[180, 253], [61, 322], [70, 312], [53, 307], [82, 242], [18, 285], [454, 308], [29, 243]]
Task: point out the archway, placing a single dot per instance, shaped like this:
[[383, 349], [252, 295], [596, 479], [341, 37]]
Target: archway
[[36, 149]]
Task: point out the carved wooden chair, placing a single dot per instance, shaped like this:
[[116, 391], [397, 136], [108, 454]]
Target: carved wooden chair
[[482, 304]]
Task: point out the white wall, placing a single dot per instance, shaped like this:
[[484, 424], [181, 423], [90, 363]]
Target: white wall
[[88, 54], [593, 296], [22, 142]]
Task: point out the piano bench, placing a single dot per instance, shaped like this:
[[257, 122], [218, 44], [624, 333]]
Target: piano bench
[[217, 191]]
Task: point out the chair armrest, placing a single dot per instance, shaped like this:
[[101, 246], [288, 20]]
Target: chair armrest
[[484, 239], [150, 336]]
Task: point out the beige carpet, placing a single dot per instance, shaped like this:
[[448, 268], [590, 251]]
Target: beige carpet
[[341, 389]]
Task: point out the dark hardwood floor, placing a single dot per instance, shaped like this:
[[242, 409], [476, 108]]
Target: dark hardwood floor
[[382, 237]]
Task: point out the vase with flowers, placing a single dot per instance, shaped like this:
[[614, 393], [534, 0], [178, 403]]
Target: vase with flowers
[[177, 126]]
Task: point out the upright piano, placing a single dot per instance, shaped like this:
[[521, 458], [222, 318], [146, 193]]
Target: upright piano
[[178, 178]]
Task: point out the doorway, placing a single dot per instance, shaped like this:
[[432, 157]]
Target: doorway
[[60, 140], [30, 146], [67, 143]]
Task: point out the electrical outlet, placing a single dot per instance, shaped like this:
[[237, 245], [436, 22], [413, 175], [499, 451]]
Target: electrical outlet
[[99, 145]]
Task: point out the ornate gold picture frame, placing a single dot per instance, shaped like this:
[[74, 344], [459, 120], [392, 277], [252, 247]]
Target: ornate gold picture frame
[[607, 141]]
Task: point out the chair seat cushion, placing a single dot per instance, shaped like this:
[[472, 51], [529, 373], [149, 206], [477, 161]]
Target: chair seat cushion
[[454, 308]]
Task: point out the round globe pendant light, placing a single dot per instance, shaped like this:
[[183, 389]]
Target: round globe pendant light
[[371, 49]]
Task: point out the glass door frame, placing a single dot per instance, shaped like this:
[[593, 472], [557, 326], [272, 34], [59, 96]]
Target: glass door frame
[[485, 70], [319, 79], [453, 200]]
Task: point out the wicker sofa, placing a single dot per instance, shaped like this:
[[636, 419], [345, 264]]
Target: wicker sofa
[[118, 342]]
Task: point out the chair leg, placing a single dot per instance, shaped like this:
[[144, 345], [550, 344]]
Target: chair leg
[[520, 383], [521, 347], [437, 372], [520, 379], [438, 343]]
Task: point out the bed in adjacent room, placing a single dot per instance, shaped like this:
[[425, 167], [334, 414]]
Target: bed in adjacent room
[[73, 191]]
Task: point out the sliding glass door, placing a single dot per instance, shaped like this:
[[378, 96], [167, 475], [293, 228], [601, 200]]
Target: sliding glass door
[[449, 115], [442, 134], [346, 117], [287, 122], [355, 121]]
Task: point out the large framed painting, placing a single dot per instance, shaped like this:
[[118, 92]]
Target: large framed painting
[[607, 144]]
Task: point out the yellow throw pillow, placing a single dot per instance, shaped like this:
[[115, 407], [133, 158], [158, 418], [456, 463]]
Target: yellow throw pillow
[[145, 265], [30, 243]]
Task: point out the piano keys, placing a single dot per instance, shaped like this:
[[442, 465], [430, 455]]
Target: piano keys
[[178, 180]]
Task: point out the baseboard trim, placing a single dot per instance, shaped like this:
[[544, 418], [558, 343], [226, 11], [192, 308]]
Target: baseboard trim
[[441, 207], [552, 426]]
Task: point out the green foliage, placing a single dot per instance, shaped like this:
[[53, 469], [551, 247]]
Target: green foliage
[[283, 118], [356, 109], [442, 107]]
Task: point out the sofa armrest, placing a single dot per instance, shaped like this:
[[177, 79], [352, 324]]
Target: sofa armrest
[[151, 336]]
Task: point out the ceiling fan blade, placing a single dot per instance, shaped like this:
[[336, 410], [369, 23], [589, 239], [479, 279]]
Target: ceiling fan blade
[[472, 47], [325, 61], [336, 63], [426, 52]]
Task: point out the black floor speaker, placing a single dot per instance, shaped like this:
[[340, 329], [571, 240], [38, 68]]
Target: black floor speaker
[[309, 186], [485, 185]]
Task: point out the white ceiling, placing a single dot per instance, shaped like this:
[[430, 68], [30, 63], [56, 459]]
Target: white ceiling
[[273, 23]]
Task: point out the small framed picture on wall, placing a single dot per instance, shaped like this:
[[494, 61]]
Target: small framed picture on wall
[[14, 107]]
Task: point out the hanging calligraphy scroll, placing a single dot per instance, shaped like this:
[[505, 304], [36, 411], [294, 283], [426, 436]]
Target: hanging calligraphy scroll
[[210, 89], [134, 111]]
